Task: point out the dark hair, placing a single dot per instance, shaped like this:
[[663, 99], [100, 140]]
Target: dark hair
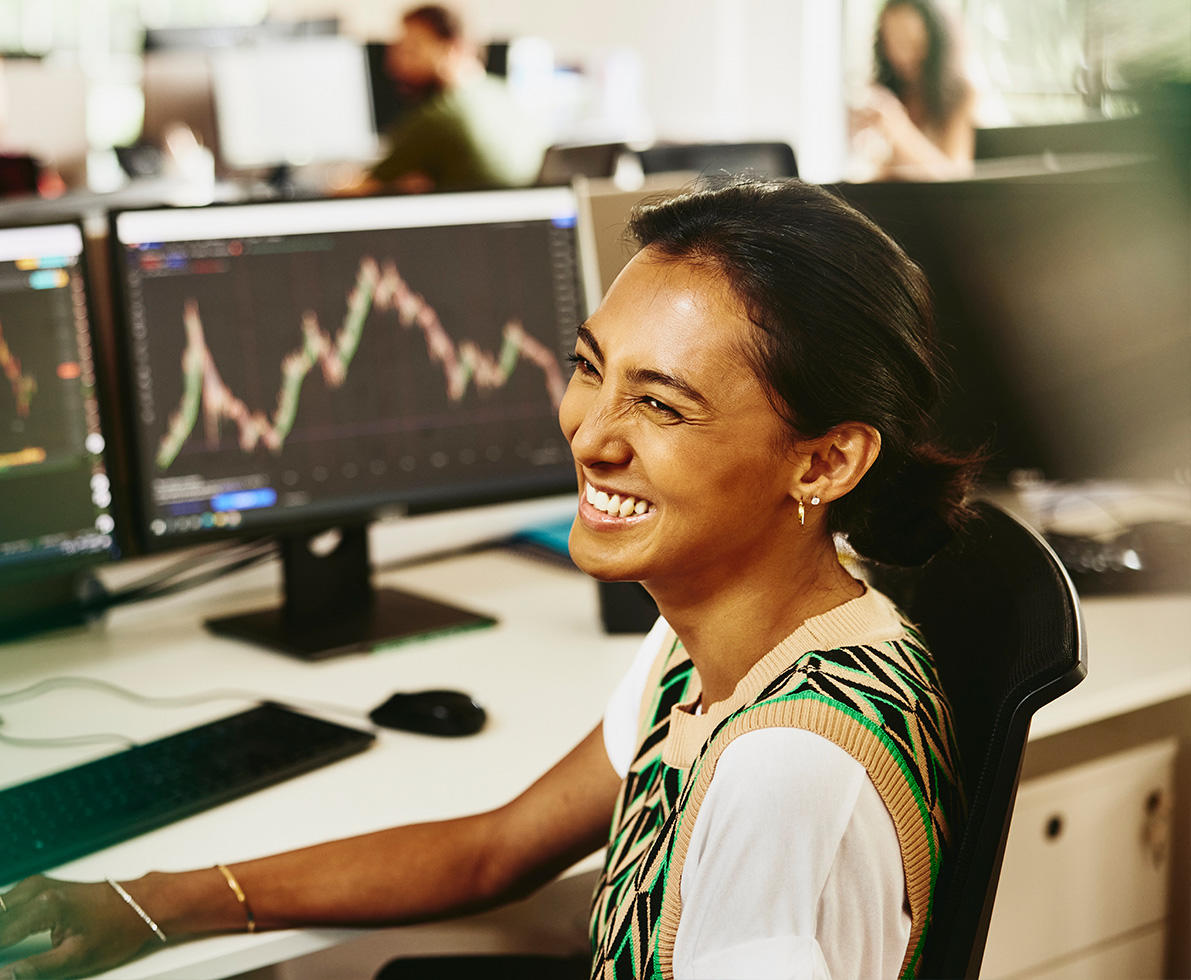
[[845, 334], [442, 21], [943, 85]]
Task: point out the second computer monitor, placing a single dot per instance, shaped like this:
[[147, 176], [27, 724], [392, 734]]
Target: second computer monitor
[[56, 513]]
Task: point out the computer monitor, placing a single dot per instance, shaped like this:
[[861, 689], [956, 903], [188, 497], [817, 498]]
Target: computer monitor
[[1062, 304], [604, 208], [56, 514], [294, 366], [292, 102]]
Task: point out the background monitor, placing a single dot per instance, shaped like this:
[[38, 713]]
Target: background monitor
[[388, 104], [56, 517], [1062, 304], [294, 366], [604, 208], [293, 102]]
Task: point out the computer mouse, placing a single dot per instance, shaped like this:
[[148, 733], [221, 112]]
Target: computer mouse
[[430, 713]]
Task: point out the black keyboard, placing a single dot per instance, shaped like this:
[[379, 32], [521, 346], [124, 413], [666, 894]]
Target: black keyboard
[[55, 819]]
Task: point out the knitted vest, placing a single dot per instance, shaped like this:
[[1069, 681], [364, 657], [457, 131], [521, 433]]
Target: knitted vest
[[879, 700]]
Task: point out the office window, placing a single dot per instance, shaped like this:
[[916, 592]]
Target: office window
[[101, 40], [1041, 61], [1061, 60]]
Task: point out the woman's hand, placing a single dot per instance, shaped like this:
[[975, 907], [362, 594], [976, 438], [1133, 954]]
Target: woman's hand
[[91, 927], [883, 111], [906, 152]]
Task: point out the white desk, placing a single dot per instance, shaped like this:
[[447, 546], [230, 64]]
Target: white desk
[[543, 673]]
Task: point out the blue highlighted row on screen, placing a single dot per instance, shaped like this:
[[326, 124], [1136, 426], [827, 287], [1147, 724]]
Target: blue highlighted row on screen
[[244, 499], [54, 278]]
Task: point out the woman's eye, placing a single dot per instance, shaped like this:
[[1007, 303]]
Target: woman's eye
[[650, 402], [581, 364]]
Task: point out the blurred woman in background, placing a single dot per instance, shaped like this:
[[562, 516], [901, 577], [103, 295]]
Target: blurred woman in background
[[919, 111]]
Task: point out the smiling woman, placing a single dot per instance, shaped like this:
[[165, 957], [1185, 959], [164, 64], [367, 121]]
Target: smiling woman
[[777, 766], [762, 375]]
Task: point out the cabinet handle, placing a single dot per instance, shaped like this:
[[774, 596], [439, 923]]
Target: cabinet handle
[[1155, 829]]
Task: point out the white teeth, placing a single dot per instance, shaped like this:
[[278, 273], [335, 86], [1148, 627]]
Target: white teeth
[[615, 505]]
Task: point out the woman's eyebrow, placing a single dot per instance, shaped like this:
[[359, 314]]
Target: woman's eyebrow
[[644, 376], [585, 335]]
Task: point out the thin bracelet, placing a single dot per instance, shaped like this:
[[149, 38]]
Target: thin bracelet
[[234, 885], [132, 903]]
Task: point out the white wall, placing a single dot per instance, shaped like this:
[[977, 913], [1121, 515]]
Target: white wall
[[712, 69]]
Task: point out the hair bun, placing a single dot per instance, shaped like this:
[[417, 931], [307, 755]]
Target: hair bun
[[917, 508]]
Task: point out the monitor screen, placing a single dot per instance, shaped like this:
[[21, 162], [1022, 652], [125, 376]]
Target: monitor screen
[[293, 365], [1062, 305], [604, 208], [55, 492], [295, 101]]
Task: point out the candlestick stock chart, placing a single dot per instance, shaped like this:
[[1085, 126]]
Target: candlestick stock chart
[[348, 364]]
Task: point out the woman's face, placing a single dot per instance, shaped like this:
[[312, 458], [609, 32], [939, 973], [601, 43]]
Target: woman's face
[[670, 427], [905, 41]]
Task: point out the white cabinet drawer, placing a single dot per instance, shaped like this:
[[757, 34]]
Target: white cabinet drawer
[[1136, 957], [1087, 859]]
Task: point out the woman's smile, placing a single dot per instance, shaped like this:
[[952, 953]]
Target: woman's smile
[[608, 509]]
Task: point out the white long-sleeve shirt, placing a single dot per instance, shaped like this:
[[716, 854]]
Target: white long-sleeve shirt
[[828, 902]]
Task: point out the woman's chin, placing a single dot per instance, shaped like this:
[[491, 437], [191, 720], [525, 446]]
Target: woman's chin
[[599, 563]]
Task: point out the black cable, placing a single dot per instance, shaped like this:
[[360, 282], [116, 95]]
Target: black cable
[[163, 583]]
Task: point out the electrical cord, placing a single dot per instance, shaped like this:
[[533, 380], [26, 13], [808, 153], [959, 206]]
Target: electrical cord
[[166, 582], [50, 684], [163, 583], [160, 584], [65, 741]]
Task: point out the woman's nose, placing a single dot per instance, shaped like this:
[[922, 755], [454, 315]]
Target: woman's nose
[[594, 430]]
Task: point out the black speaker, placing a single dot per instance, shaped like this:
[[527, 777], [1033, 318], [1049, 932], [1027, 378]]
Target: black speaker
[[625, 607]]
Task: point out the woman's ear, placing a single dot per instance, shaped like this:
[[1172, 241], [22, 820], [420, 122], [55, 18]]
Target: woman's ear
[[835, 462]]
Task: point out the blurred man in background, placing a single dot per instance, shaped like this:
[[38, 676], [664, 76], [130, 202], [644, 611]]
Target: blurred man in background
[[463, 130]]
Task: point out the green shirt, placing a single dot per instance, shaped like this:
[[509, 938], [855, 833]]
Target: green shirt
[[469, 137]]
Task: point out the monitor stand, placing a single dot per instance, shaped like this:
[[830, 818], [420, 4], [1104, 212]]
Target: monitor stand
[[331, 606]]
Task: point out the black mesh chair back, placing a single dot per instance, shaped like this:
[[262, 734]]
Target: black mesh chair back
[[1003, 621], [709, 159]]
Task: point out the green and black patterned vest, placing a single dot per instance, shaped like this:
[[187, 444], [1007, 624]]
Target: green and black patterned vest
[[880, 702]]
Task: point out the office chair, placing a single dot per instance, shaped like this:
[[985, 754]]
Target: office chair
[[562, 161], [764, 159], [1003, 621], [19, 174]]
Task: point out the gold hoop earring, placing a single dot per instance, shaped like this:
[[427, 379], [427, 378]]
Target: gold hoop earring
[[802, 513]]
